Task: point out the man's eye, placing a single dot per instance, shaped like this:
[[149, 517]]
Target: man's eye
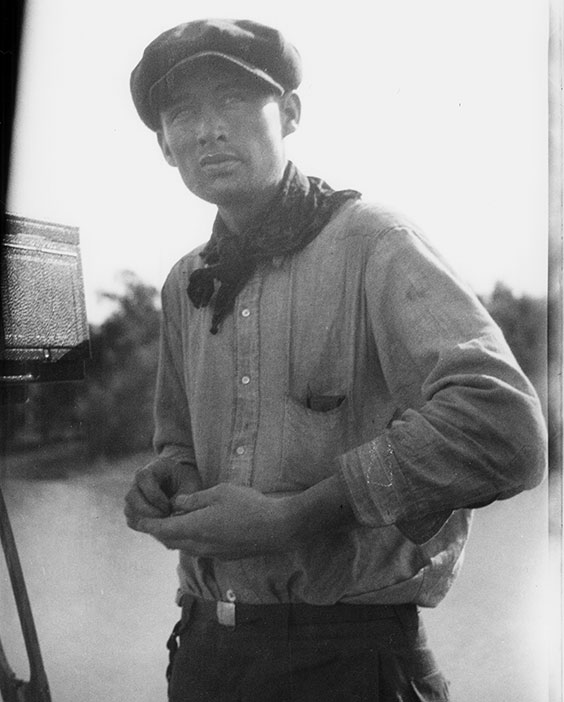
[[181, 114], [233, 98]]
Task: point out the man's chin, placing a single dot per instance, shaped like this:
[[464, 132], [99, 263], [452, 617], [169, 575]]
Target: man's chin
[[222, 193]]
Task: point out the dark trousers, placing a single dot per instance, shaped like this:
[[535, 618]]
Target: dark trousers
[[285, 653]]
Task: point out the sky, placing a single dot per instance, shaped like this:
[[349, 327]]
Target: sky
[[437, 108]]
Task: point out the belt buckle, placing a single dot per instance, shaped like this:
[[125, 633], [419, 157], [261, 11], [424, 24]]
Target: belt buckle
[[226, 613]]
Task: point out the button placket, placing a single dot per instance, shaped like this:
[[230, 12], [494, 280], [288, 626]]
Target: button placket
[[245, 421]]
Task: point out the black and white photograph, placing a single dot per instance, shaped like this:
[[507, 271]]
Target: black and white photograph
[[281, 350]]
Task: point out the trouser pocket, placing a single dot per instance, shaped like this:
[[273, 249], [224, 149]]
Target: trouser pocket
[[174, 639], [172, 646], [418, 668]]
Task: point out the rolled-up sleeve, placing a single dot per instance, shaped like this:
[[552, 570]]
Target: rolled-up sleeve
[[470, 428]]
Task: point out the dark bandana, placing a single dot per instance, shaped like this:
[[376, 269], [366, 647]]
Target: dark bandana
[[300, 210]]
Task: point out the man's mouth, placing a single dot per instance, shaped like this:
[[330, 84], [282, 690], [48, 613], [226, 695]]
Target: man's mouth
[[215, 160]]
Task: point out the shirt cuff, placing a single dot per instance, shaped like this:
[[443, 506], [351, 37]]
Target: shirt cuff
[[380, 495]]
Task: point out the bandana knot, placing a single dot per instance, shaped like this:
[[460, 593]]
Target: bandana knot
[[300, 210]]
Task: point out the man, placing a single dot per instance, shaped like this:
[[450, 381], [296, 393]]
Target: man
[[331, 402]]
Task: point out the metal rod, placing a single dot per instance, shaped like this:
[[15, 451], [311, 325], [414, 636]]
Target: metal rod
[[37, 690], [11, 689], [13, 379]]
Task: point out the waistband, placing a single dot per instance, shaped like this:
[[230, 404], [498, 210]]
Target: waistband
[[235, 613]]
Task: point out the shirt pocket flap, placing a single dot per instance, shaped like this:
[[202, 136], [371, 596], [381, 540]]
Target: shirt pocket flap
[[312, 439]]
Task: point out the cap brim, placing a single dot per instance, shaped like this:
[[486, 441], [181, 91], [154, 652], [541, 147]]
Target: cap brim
[[257, 72]]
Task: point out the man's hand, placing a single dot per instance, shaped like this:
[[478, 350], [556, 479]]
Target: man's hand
[[154, 487], [230, 521], [227, 521]]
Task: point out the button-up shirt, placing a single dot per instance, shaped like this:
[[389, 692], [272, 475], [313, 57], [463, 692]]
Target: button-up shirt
[[363, 356]]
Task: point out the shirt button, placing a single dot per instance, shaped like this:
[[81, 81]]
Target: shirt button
[[246, 312], [240, 450], [230, 595], [245, 380]]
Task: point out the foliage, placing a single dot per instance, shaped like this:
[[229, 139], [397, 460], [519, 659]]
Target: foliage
[[111, 410], [116, 404], [523, 321]]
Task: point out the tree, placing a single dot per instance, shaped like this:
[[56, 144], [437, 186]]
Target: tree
[[117, 399], [523, 321], [112, 409]]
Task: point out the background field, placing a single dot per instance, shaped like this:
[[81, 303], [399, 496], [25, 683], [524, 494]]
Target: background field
[[103, 596]]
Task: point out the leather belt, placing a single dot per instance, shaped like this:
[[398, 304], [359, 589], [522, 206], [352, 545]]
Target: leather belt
[[235, 613]]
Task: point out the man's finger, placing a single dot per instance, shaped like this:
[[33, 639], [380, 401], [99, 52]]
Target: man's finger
[[136, 509], [193, 502], [165, 529], [149, 487], [195, 548], [136, 502]]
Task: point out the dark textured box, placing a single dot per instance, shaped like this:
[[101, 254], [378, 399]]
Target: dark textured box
[[44, 329]]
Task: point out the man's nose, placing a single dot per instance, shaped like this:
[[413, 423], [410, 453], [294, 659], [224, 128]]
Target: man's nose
[[210, 125]]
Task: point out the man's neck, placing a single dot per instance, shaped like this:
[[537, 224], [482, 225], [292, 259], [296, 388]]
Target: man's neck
[[238, 215]]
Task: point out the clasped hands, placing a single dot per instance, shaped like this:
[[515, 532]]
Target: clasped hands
[[228, 521]]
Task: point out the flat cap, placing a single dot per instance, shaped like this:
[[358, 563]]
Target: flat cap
[[256, 48]]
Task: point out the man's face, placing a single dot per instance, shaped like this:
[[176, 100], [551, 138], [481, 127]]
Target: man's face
[[223, 129]]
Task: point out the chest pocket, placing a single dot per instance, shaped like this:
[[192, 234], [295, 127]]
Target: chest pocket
[[312, 438]]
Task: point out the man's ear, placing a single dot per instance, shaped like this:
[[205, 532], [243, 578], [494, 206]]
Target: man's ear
[[169, 158], [290, 110]]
